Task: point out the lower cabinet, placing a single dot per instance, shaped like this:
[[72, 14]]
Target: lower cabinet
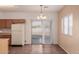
[[4, 45]]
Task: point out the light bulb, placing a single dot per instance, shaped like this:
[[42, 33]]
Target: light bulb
[[41, 16], [44, 17]]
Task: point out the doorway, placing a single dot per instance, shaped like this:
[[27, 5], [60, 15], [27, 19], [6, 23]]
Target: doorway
[[41, 32]]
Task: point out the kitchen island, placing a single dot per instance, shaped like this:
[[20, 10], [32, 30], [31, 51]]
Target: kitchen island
[[6, 33], [5, 40], [4, 45]]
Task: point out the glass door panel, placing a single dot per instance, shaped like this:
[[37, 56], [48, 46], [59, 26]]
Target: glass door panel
[[40, 32]]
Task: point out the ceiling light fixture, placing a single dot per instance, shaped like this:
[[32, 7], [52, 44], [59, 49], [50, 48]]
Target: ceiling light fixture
[[41, 16]]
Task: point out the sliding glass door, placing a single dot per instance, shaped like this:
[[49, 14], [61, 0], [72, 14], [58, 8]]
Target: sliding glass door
[[41, 32]]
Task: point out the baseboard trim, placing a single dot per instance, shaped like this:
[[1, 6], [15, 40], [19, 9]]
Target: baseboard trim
[[64, 49]]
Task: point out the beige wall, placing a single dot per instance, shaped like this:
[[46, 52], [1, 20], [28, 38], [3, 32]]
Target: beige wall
[[70, 43]]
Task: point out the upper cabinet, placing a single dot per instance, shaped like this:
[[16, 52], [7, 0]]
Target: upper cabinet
[[2, 23], [6, 23]]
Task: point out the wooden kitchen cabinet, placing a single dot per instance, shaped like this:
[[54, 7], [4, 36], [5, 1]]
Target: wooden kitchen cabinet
[[2, 23], [6, 23]]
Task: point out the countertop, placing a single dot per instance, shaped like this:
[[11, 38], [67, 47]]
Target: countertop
[[5, 31], [4, 38]]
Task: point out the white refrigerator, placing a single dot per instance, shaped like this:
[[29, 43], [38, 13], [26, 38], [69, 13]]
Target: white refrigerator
[[18, 31]]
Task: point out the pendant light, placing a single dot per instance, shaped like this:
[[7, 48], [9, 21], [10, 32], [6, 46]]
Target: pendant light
[[41, 16]]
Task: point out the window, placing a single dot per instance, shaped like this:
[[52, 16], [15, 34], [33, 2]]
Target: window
[[70, 24], [67, 23]]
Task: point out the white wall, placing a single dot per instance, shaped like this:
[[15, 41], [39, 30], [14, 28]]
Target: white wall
[[1, 15], [31, 16]]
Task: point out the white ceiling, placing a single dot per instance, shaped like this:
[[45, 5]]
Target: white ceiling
[[30, 8]]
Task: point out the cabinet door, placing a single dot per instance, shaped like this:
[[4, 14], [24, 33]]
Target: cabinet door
[[8, 23], [2, 24]]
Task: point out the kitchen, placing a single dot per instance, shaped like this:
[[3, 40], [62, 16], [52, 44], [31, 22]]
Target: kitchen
[[6, 32]]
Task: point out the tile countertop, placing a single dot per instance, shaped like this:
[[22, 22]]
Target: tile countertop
[[5, 31]]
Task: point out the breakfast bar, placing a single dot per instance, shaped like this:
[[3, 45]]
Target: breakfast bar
[[4, 45]]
